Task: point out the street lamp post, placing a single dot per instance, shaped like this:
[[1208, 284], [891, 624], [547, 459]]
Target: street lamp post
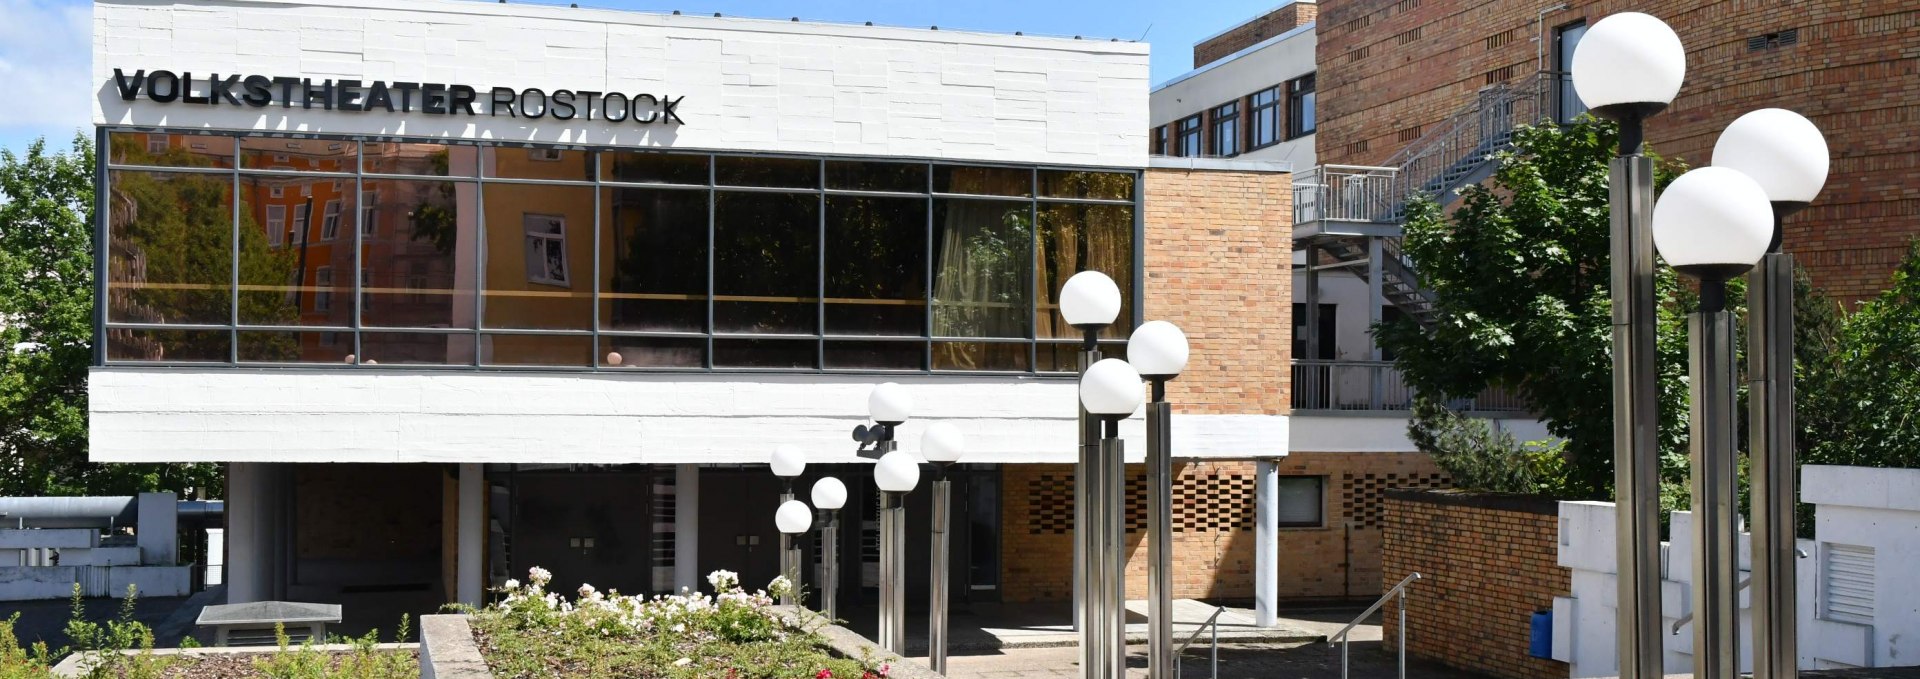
[[896, 474], [1110, 391], [788, 463], [1627, 68], [793, 519], [1159, 350], [829, 495], [942, 444], [1090, 301], [1786, 154], [1712, 224]]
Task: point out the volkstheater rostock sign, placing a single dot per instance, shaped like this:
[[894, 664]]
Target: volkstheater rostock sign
[[261, 91]]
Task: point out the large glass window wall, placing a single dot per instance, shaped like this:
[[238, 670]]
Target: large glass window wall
[[303, 250]]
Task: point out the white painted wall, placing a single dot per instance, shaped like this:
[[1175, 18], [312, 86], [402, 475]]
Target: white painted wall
[[1271, 62], [1384, 432], [750, 85], [238, 415], [1353, 341], [1878, 508]]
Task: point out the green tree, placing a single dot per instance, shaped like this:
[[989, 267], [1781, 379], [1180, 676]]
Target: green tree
[[46, 344], [1861, 405], [1520, 275]]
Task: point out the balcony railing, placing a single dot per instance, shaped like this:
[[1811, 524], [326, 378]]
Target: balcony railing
[[1344, 193], [1375, 386]]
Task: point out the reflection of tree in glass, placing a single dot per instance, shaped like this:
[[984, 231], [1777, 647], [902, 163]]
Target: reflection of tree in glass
[[433, 218], [766, 245], [981, 289]]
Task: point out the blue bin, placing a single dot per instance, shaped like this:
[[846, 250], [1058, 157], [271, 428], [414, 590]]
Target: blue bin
[[1540, 642]]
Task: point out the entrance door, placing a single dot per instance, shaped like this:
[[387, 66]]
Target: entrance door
[[736, 524]]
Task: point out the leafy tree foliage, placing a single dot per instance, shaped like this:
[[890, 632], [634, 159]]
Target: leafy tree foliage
[[1520, 273], [1861, 405], [1479, 457], [46, 308]]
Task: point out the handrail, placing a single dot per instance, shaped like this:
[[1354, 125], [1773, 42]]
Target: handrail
[[1213, 622], [1400, 589], [1682, 622]]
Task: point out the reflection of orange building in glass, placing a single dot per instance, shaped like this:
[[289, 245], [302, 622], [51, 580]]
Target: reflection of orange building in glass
[[308, 222]]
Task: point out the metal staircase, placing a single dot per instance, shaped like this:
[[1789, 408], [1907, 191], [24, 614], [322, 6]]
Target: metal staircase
[[1342, 213]]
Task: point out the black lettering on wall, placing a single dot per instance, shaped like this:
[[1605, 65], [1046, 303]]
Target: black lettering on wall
[[652, 102], [349, 95], [173, 86], [501, 98], [433, 98], [223, 89], [258, 94], [406, 95], [607, 108], [379, 96], [460, 99], [529, 95], [324, 93], [563, 105], [129, 88], [186, 91], [666, 110], [286, 90], [586, 98]]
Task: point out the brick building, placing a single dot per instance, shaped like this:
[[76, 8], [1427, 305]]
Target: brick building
[[1396, 73]]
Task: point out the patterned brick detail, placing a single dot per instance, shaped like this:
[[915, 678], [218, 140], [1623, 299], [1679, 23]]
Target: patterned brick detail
[[1487, 564], [1280, 20], [1051, 511], [1851, 70], [1213, 503], [1360, 493]]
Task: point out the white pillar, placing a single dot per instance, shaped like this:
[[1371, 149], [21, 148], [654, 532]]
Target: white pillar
[[156, 530], [216, 555], [686, 527], [1266, 544], [249, 566], [472, 537]]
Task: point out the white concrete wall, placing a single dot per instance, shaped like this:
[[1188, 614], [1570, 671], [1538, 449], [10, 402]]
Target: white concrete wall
[[19, 583], [1382, 432], [1271, 62], [1878, 508], [1353, 338], [749, 85], [238, 415]]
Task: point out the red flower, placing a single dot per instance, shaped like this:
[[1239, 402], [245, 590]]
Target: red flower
[[824, 674]]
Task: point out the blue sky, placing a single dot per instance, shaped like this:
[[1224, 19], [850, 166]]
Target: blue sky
[[45, 45]]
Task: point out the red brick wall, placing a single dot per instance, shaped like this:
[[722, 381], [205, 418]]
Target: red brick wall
[[1390, 68], [1487, 563], [1280, 20]]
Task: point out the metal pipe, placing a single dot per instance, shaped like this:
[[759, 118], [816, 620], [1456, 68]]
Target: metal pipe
[[830, 563], [893, 590], [1160, 658], [1715, 507], [1770, 454], [1636, 456], [1083, 571], [1113, 561], [1403, 634], [789, 567], [937, 584]]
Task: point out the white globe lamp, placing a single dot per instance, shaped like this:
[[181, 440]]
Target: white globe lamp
[[829, 494], [1781, 150], [1089, 301], [1628, 66], [889, 404], [788, 462], [1110, 388], [943, 443], [1158, 349], [1712, 223], [896, 472], [793, 517]]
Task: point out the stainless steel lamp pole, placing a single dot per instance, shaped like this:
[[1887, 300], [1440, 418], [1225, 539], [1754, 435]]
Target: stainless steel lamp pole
[[1089, 302], [1712, 224], [1627, 68], [942, 444], [829, 495], [788, 463], [1110, 391], [1786, 154], [896, 474], [793, 519], [1158, 349]]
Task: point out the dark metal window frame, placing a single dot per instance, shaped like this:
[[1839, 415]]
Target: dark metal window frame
[[1188, 131], [1032, 340], [1223, 129], [1297, 89], [1562, 74], [1320, 518], [1256, 109]]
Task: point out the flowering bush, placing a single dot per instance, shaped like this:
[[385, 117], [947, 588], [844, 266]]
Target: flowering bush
[[535, 632]]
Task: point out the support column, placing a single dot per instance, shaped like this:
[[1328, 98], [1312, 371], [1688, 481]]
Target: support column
[[1376, 298], [1312, 304], [1770, 451], [1266, 543], [686, 527], [469, 572], [1636, 453], [249, 564], [1716, 538]]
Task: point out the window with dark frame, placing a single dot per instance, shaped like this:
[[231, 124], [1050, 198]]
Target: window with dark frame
[[1300, 115], [1263, 118], [1566, 102], [1226, 129], [1186, 137], [978, 253], [1159, 144], [1301, 501]]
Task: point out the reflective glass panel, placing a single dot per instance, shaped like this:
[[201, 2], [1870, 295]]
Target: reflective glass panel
[[296, 244], [876, 266], [170, 248], [1086, 184], [305, 155], [844, 355], [983, 181], [766, 271], [870, 176], [565, 351], [420, 254], [981, 267], [652, 167], [270, 346], [653, 260], [994, 356], [1065, 357], [169, 346], [753, 353], [1077, 237], [539, 162], [416, 348], [786, 173], [539, 257], [652, 352], [169, 150], [433, 160]]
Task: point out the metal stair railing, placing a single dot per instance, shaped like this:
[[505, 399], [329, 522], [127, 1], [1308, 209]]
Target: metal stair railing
[[1449, 154], [1341, 636], [1213, 622]]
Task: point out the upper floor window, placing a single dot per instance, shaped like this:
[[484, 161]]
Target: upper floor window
[[1566, 102], [1300, 106], [1159, 140], [1263, 118], [1186, 137], [1226, 129]]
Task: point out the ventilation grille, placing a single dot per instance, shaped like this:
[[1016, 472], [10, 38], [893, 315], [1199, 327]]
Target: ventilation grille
[[1406, 6], [1761, 43], [1502, 74], [1409, 134], [1408, 37], [1364, 21], [1502, 39], [1849, 583], [1358, 147], [1359, 54]]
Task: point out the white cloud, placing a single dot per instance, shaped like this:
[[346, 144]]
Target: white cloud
[[46, 49]]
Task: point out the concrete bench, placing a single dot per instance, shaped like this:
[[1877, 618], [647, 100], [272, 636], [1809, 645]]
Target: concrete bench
[[254, 623]]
